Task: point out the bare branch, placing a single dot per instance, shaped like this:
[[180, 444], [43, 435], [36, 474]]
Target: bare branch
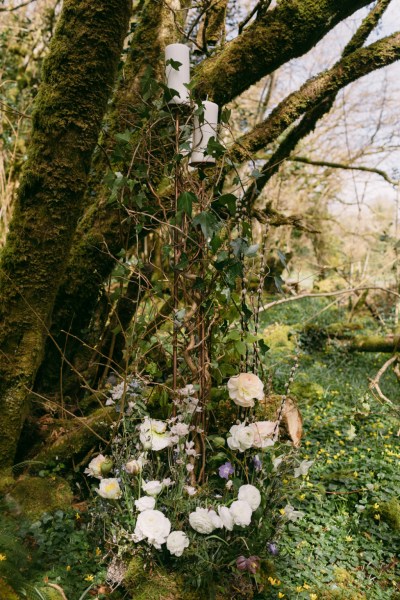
[[12, 8], [334, 165]]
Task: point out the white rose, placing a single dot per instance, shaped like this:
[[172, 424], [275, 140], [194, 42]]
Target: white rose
[[145, 503], [109, 488], [177, 541], [242, 437], [245, 388], [251, 495], [263, 431], [153, 526], [153, 435], [153, 488], [201, 521], [94, 467], [241, 513], [226, 517]]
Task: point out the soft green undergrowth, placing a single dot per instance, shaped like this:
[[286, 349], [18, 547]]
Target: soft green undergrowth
[[348, 543]]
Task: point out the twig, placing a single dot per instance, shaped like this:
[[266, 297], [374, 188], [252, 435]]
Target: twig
[[251, 14], [326, 294], [374, 383]]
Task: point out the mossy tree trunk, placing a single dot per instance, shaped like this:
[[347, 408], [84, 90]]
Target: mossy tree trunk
[[78, 77]]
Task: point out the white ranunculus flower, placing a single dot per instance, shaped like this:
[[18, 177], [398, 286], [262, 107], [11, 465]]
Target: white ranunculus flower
[[226, 517], [245, 388], [190, 490], [94, 467], [242, 437], [109, 488], [201, 521], [153, 434], [135, 466], [153, 488], [241, 513], [263, 431], [251, 495], [153, 526], [177, 541], [145, 503], [215, 519], [292, 514]]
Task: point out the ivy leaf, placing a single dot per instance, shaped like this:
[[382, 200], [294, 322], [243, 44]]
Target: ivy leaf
[[215, 148], [279, 282], [175, 64], [251, 250], [225, 115], [185, 202], [282, 258], [263, 346], [124, 137], [228, 200], [208, 223]]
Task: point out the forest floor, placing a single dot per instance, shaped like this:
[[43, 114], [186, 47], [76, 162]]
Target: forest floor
[[347, 545]]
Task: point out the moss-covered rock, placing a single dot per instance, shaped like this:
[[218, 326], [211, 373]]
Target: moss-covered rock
[[304, 389], [33, 496], [278, 337], [160, 585], [389, 512]]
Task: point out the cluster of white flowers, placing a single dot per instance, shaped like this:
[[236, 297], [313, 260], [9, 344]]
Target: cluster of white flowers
[[153, 434], [154, 527], [187, 401], [205, 520], [256, 435]]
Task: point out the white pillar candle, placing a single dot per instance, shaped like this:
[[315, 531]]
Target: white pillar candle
[[202, 133], [177, 78]]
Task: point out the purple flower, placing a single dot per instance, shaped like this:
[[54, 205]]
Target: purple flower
[[272, 548], [225, 470], [251, 564], [257, 463]]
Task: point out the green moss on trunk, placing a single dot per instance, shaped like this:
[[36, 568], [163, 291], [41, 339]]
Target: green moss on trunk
[[77, 80]]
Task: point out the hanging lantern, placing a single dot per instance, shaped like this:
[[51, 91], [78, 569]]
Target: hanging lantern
[[178, 75], [202, 133]]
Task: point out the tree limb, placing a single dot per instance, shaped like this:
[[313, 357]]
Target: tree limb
[[334, 165], [350, 68], [286, 32]]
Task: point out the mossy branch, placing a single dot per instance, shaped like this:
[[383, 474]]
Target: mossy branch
[[290, 30], [350, 68]]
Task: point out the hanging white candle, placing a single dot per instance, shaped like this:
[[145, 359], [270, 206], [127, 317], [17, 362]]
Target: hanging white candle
[[203, 130], [177, 71]]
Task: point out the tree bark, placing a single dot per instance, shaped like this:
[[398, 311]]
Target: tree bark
[[78, 76], [100, 234]]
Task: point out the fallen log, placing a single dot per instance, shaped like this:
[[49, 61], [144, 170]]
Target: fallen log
[[374, 343]]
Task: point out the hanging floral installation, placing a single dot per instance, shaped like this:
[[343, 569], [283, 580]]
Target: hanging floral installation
[[193, 478]]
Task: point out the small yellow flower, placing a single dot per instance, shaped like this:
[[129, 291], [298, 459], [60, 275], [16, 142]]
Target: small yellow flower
[[77, 516], [377, 517], [282, 511], [299, 589], [89, 577], [306, 586], [285, 481], [348, 538], [302, 497], [329, 462], [376, 506], [280, 595], [68, 568], [274, 581], [3, 557], [313, 597], [355, 474], [98, 551]]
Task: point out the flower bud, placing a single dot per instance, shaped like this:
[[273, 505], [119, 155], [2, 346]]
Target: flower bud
[[106, 467]]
